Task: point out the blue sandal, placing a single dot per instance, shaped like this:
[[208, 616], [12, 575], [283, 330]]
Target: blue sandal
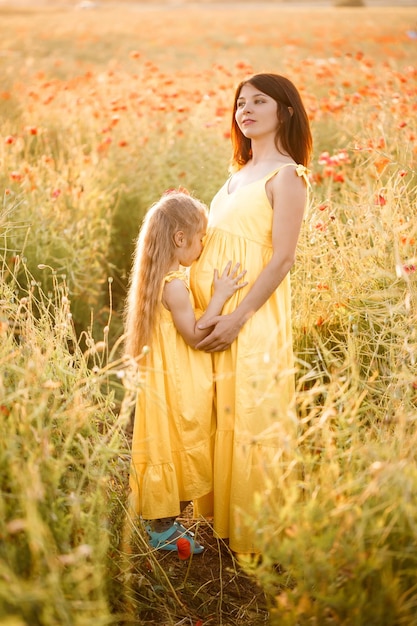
[[167, 540]]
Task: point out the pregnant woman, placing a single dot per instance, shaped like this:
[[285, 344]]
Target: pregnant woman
[[255, 219]]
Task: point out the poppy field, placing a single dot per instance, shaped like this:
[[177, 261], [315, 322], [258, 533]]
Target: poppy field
[[101, 111]]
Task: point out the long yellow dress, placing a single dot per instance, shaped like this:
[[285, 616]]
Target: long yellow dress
[[173, 433], [254, 378]]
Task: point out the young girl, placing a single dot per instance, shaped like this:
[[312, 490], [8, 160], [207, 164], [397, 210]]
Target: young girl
[[174, 426]]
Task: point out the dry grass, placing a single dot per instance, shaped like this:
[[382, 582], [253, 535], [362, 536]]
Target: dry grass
[[101, 111]]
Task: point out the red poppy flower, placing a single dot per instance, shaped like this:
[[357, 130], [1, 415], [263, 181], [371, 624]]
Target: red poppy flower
[[179, 189], [183, 548], [16, 176], [380, 200]]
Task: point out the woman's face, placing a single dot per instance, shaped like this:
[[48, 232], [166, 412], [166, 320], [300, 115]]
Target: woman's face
[[256, 113]]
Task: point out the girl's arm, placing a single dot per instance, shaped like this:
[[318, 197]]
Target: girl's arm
[[176, 298], [288, 199]]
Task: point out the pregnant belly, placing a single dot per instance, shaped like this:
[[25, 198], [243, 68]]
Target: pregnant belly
[[219, 249]]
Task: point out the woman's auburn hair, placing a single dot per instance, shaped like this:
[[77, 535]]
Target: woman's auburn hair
[[153, 256], [293, 133]]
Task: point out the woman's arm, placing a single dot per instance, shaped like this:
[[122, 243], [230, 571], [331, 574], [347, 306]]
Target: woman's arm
[[176, 298], [287, 193]]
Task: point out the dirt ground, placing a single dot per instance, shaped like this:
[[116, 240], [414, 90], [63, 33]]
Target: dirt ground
[[209, 589]]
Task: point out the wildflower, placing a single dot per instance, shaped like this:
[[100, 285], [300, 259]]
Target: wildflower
[[183, 548], [408, 269], [16, 176], [221, 111], [381, 163], [341, 157], [324, 158], [328, 171], [380, 200], [338, 177], [103, 146], [9, 140], [179, 189], [317, 178], [242, 65]]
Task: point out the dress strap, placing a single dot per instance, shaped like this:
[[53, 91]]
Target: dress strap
[[180, 274], [300, 170]]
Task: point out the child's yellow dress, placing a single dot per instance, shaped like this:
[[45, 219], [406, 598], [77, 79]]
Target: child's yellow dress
[[254, 379], [174, 425]]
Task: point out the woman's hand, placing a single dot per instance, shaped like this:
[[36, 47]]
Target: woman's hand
[[226, 329]]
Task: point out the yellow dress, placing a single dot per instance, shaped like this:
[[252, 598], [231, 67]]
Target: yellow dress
[[254, 379], [173, 432]]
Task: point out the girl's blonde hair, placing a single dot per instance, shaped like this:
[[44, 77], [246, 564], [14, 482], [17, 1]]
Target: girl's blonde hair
[[153, 256]]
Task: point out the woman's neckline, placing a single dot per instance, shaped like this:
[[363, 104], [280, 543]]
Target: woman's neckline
[[274, 170]]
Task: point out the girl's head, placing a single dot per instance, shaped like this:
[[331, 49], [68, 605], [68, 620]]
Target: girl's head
[[293, 134], [170, 224], [171, 233]]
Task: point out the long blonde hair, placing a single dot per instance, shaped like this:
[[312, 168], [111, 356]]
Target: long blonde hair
[[153, 256]]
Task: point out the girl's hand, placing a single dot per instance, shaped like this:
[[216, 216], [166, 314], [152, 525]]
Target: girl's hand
[[229, 282]]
